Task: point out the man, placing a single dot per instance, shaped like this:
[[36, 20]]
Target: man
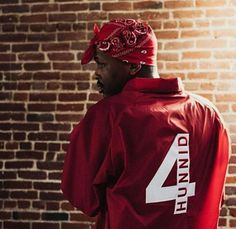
[[148, 155]]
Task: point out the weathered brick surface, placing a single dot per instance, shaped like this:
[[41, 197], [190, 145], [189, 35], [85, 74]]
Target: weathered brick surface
[[45, 90]]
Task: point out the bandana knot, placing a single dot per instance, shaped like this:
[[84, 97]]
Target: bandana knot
[[126, 39]]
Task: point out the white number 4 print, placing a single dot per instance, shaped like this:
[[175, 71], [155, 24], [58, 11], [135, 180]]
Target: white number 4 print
[[156, 192]]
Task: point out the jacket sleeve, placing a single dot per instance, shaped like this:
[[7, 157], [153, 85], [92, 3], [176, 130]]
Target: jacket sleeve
[[87, 165]]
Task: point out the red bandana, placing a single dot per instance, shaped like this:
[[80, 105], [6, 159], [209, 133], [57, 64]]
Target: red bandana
[[125, 39]]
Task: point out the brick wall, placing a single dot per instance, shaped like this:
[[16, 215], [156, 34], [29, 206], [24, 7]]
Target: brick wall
[[45, 90]]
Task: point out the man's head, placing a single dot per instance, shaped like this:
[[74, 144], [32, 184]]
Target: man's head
[[122, 49]]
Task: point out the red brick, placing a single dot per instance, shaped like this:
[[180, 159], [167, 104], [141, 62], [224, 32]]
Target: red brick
[[214, 65], [64, 26], [43, 136], [75, 226], [43, 27], [17, 184], [12, 145], [25, 126], [170, 24], [51, 196], [19, 136], [41, 37], [186, 24], [44, 8], [224, 33], [33, 18], [232, 223], [72, 96], [50, 165], [7, 57], [175, 45], [36, 66], [23, 86], [5, 95], [40, 146], [67, 66], [8, 2], [8, 19], [94, 6], [13, 107], [222, 222], [107, 6], [10, 67], [54, 147], [226, 97], [72, 36], [74, 7], [39, 204], [30, 155], [56, 126], [5, 215], [45, 225], [37, 1], [213, 43], [20, 96], [22, 27], [92, 16], [8, 28], [41, 107], [68, 86], [52, 206], [79, 217], [26, 215], [46, 186], [46, 76], [33, 175], [81, 76], [210, 3], [195, 33], [181, 66], [68, 117], [167, 34], [31, 56], [4, 47], [61, 56], [55, 46], [220, 13], [18, 164], [225, 55], [15, 9], [196, 55], [70, 107], [168, 56], [14, 225], [188, 14], [62, 17], [9, 86], [178, 4], [7, 155], [42, 97], [53, 86], [25, 47], [54, 175], [154, 15]]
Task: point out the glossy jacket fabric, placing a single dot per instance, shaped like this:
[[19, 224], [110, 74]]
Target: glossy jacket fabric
[[153, 156]]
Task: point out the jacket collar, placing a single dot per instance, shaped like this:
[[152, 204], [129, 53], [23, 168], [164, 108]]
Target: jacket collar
[[155, 85]]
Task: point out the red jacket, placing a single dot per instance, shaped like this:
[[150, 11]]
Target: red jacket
[[153, 156]]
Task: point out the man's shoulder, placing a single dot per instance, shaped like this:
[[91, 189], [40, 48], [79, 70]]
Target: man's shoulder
[[202, 101], [206, 104]]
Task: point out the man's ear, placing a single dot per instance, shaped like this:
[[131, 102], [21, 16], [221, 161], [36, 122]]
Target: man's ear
[[134, 68]]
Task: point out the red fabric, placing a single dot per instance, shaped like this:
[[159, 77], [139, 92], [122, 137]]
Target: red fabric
[[127, 140], [126, 39]]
